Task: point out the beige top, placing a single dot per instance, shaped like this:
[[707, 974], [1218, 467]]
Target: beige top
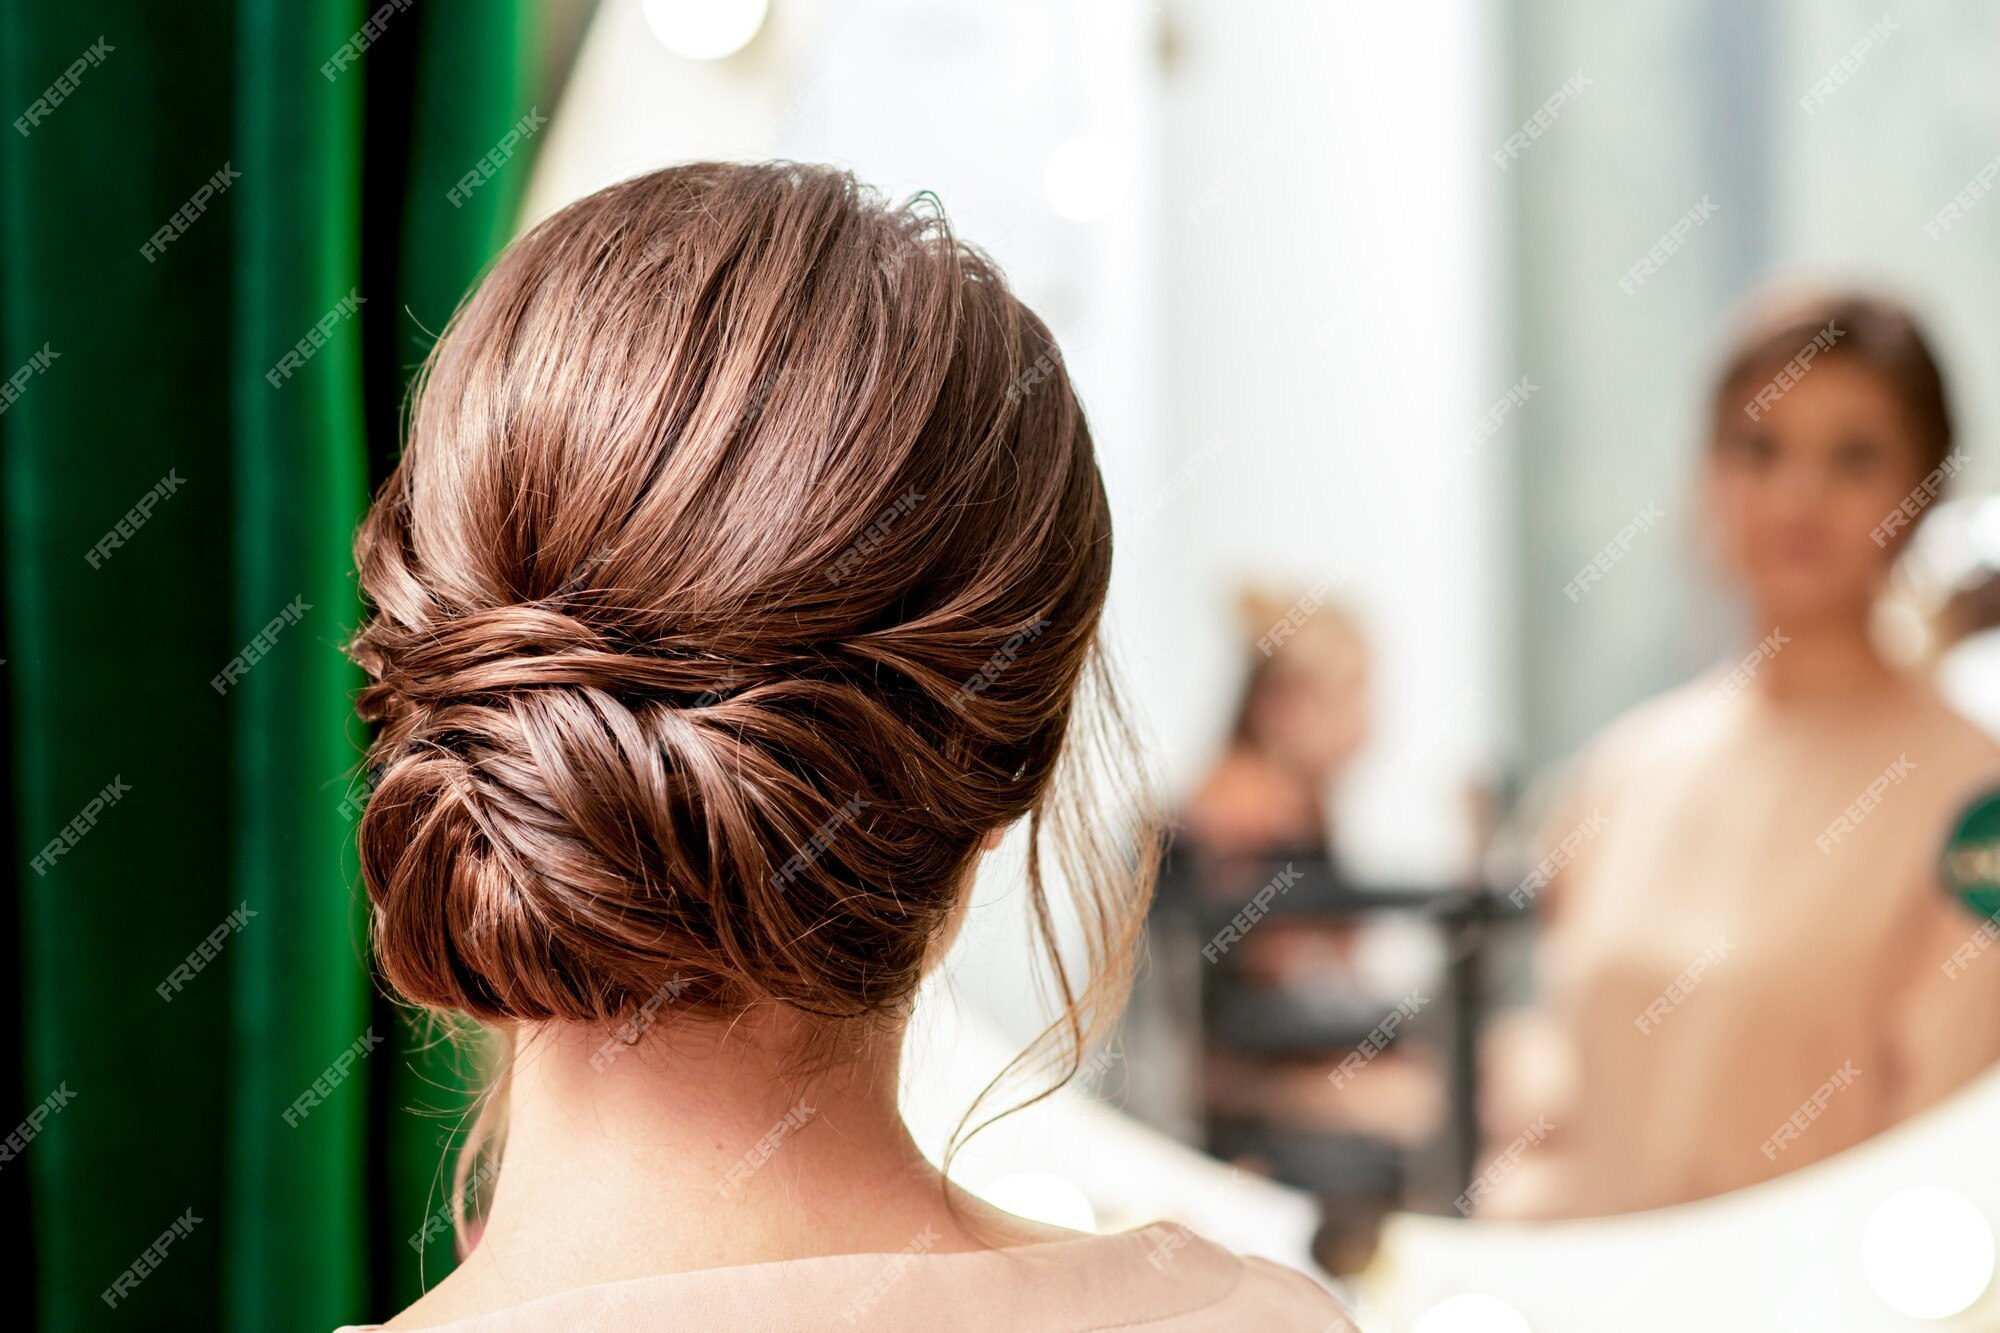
[[1160, 1277], [1745, 954]]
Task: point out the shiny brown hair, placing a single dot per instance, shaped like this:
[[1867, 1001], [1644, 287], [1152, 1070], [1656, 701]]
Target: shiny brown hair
[[740, 574], [1870, 331]]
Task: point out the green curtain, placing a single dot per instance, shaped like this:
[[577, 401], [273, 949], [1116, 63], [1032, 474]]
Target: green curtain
[[227, 234]]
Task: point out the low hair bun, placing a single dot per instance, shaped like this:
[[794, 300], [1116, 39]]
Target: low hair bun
[[738, 577]]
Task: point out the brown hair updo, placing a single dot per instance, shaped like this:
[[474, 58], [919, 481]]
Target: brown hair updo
[[1874, 332], [739, 575]]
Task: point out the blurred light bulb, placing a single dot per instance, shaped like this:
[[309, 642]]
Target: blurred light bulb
[[705, 29], [1473, 1312], [1042, 1196], [1985, 527], [1079, 178], [1928, 1252]]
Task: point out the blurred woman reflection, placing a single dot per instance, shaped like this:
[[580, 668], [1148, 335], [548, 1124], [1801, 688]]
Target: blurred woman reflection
[[1287, 1000], [1744, 945], [1303, 716]]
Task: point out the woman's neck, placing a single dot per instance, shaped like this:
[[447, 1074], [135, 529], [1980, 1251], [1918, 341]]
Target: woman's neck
[[1832, 659], [692, 1149]]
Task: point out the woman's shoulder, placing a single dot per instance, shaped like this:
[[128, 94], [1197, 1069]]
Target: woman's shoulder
[[1962, 746], [1645, 733], [1163, 1276], [1956, 766], [1718, 704], [1272, 1294], [1166, 1276], [1672, 715]]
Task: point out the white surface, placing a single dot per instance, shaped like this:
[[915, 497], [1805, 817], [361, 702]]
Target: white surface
[[1927, 1251], [1334, 306], [1783, 1256]]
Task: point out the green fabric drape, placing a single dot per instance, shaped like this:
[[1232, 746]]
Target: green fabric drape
[[300, 1002], [226, 236], [471, 56]]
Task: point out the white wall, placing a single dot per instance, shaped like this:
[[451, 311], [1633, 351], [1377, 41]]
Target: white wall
[[1333, 319]]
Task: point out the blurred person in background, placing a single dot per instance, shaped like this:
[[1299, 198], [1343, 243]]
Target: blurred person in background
[[1742, 959], [1285, 993], [1302, 716]]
